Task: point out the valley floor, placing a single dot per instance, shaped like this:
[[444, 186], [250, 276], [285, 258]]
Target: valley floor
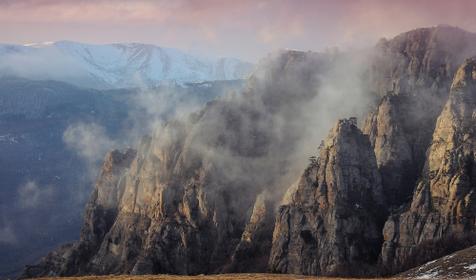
[[246, 276]]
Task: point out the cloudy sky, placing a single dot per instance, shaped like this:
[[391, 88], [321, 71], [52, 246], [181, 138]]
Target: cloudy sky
[[244, 29]]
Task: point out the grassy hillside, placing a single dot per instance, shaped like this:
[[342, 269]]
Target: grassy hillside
[[204, 277]]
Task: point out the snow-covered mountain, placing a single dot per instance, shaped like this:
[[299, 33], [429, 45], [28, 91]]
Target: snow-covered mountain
[[115, 65]]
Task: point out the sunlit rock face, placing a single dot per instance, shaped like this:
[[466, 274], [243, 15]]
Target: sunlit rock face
[[442, 213], [332, 224], [100, 214], [198, 197], [413, 74], [204, 194]]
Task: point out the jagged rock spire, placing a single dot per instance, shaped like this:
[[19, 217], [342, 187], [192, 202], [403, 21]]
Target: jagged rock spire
[[332, 224]]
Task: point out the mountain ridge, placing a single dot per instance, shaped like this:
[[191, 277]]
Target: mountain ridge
[[116, 65], [209, 177]]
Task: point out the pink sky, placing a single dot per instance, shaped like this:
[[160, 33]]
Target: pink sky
[[240, 28]]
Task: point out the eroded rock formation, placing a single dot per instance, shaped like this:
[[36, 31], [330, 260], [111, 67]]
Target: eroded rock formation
[[252, 253], [443, 209], [413, 72], [100, 214], [200, 195], [194, 198], [332, 224]]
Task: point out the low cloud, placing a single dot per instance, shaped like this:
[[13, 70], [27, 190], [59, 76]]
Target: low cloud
[[7, 235], [31, 195], [89, 140], [261, 139]]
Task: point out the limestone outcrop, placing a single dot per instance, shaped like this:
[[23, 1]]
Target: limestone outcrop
[[413, 74], [442, 213], [197, 196], [100, 214], [204, 193], [332, 224]]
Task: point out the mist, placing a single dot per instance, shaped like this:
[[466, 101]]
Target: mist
[[91, 142], [172, 80], [252, 138], [260, 139], [30, 195], [7, 235], [42, 64]]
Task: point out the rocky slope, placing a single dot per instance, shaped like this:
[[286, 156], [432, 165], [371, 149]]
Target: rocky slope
[[232, 276], [459, 265], [332, 224], [442, 211]]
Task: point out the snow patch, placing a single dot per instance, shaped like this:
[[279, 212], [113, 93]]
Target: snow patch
[[430, 274]]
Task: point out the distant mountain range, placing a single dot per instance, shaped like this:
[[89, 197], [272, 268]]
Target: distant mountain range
[[115, 65], [239, 187]]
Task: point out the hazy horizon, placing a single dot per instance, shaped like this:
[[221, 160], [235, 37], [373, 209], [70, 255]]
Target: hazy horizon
[[218, 28]]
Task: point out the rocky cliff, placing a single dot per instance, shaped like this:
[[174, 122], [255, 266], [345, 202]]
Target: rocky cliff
[[194, 198], [442, 213], [252, 252], [332, 224], [413, 73], [201, 194], [100, 214], [45, 167]]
